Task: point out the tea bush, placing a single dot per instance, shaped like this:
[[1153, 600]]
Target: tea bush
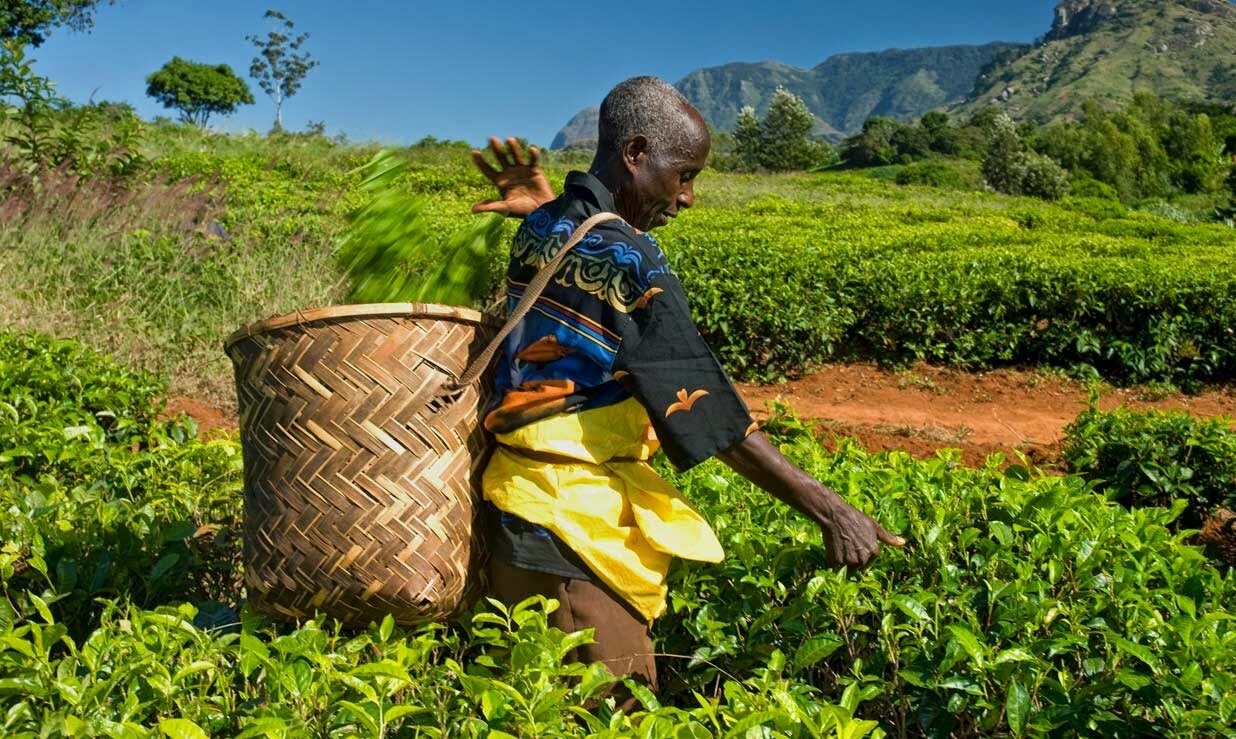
[[1025, 605], [1154, 457], [779, 284], [499, 674], [117, 620], [99, 497], [948, 174]]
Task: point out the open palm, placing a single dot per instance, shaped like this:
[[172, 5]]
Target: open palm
[[522, 186]]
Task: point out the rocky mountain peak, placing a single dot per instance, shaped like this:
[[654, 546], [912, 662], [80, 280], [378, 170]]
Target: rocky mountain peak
[[1077, 17]]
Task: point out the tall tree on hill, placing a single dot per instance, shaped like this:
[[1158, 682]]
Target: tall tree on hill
[[280, 65], [32, 20], [198, 90], [785, 134], [747, 139]]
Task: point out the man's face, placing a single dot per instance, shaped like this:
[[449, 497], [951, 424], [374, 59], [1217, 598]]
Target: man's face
[[663, 181]]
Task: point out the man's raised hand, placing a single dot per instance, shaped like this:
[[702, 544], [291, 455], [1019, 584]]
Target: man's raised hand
[[522, 187]]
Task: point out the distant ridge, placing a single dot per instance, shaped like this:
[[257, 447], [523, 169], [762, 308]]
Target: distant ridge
[[842, 92], [1183, 50]]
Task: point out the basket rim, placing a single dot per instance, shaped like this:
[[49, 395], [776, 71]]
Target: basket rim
[[362, 310]]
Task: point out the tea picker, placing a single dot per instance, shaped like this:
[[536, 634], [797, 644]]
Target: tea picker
[[605, 369], [373, 434]]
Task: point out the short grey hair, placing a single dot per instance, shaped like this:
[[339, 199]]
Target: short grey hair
[[648, 107]]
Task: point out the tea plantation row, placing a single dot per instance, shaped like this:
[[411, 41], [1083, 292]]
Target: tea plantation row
[[784, 271], [1024, 605]]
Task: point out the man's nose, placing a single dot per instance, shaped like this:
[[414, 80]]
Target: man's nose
[[686, 198]]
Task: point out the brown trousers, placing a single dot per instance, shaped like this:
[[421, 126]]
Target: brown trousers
[[623, 641]]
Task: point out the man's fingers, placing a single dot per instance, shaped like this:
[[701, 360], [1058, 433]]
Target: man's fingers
[[534, 156], [491, 206], [496, 147], [490, 173], [517, 152], [886, 538]]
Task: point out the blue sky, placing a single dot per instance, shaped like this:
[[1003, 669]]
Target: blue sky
[[398, 71]]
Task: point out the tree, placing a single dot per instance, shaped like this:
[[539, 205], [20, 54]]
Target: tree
[[874, 146], [1011, 168], [280, 66], [942, 138], [782, 141], [785, 134], [198, 91], [912, 143], [747, 139], [31, 20]]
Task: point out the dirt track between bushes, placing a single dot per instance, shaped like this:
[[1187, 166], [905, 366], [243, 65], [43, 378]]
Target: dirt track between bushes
[[920, 410], [929, 408]]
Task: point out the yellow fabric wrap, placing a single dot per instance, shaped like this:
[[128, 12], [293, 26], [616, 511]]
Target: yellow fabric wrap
[[599, 495]]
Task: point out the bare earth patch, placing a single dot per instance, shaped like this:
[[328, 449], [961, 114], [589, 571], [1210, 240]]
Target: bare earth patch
[[211, 420], [918, 411], [929, 408]]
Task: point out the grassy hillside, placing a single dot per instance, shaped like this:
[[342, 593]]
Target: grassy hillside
[[1182, 50]]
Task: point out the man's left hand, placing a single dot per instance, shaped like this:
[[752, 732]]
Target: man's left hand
[[521, 186]]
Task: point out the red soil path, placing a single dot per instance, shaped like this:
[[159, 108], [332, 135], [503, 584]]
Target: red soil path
[[918, 411], [929, 408]]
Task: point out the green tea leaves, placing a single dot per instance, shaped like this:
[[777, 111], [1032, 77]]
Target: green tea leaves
[[1017, 708], [393, 250]]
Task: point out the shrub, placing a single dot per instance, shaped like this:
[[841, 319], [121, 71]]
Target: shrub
[[1094, 198], [874, 146], [1156, 457], [1041, 177]]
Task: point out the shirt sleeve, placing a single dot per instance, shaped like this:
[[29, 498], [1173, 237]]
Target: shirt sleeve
[[666, 365]]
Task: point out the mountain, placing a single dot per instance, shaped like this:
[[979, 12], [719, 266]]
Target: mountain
[[1184, 50], [843, 92], [581, 130]]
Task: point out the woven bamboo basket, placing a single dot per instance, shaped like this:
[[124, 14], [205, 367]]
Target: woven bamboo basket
[[363, 447], [360, 469]]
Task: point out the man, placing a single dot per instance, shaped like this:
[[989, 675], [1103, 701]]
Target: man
[[607, 367]]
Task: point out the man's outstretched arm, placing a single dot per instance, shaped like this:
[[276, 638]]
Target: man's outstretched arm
[[851, 537]]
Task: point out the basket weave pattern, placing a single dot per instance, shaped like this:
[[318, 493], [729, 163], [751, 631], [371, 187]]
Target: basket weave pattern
[[359, 475]]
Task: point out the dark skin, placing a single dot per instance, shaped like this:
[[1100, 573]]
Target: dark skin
[[651, 186]]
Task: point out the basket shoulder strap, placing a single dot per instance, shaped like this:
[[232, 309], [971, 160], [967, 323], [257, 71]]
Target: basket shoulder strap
[[535, 287]]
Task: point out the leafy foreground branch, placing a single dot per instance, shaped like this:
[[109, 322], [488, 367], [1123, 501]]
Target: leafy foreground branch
[[1025, 604]]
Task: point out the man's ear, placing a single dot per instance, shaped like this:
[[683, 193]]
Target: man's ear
[[634, 152]]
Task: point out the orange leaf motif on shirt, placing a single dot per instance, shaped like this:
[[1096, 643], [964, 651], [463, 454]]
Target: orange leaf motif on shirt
[[684, 401], [647, 297], [544, 349]]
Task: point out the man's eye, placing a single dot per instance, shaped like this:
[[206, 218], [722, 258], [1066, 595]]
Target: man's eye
[[687, 176]]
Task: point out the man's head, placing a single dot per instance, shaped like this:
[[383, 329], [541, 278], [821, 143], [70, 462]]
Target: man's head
[[650, 146]]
